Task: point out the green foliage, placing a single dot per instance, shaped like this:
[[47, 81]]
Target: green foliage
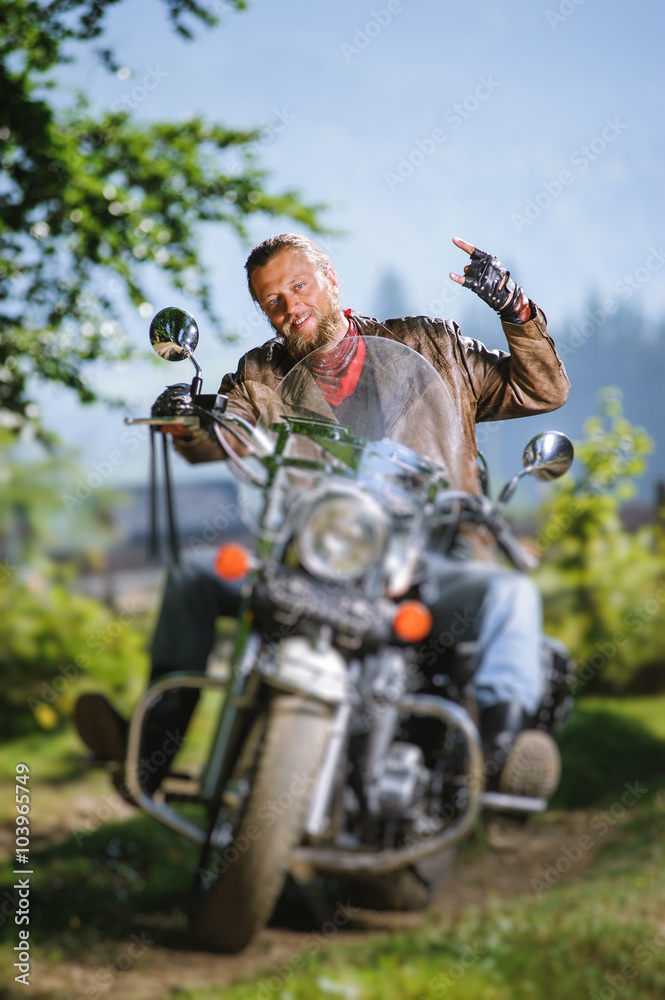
[[35, 512], [604, 586], [54, 643], [91, 206]]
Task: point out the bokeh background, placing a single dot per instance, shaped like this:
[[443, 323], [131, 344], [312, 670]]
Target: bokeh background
[[532, 129], [349, 97]]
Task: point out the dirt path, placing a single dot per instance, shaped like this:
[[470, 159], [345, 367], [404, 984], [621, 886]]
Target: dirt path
[[477, 876]]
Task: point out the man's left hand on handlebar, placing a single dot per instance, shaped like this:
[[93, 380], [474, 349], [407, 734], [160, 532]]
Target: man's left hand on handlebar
[[491, 282], [178, 431]]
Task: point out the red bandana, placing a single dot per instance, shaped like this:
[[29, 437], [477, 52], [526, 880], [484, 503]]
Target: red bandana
[[338, 371]]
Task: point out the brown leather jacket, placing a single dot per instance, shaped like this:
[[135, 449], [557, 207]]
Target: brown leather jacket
[[485, 384]]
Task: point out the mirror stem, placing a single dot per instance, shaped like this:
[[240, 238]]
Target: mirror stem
[[197, 381], [511, 486]]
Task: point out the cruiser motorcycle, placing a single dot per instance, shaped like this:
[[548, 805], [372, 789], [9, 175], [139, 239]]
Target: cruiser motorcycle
[[340, 751]]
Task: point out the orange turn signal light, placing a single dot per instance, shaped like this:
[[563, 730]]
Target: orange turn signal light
[[232, 562], [412, 621]]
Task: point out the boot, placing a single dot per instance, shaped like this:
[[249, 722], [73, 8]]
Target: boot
[[163, 733], [105, 732], [518, 760], [101, 728]]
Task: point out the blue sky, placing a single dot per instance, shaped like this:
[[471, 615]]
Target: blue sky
[[533, 129]]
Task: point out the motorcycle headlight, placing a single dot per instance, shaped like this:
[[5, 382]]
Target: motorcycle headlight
[[341, 535]]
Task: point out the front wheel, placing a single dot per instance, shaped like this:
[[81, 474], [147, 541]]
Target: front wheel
[[241, 900]]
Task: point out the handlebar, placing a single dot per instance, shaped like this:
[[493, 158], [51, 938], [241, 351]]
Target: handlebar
[[480, 509]]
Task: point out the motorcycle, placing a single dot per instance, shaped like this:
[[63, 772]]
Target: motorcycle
[[337, 751]]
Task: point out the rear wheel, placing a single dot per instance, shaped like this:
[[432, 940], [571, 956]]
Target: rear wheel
[[253, 867]]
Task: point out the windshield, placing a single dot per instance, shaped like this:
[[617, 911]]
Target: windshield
[[380, 391]]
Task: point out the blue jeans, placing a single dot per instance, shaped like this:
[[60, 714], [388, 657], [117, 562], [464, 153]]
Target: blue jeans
[[500, 611]]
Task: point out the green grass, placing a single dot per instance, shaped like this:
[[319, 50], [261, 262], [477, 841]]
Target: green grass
[[51, 756], [560, 946], [611, 742], [648, 710], [90, 892]]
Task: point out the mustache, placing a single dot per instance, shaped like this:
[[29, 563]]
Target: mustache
[[292, 329]]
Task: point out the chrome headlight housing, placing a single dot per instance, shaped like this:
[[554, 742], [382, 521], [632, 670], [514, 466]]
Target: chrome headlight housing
[[341, 534]]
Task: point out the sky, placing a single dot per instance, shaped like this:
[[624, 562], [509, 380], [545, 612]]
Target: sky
[[532, 128]]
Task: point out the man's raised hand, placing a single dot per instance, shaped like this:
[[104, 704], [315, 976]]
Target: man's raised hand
[[489, 279]]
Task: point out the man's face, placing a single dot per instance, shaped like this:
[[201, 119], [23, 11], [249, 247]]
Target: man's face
[[300, 302]]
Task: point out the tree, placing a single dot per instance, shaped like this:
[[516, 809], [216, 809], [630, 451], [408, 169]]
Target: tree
[[603, 585], [55, 641], [88, 206]]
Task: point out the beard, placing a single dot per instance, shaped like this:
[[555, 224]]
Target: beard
[[326, 332]]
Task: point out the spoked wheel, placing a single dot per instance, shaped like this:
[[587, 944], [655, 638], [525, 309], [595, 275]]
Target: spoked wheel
[[242, 881]]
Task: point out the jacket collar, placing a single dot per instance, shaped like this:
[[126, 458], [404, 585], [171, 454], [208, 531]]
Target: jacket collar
[[370, 327]]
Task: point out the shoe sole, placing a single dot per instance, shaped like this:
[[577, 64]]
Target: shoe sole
[[533, 767], [98, 726]]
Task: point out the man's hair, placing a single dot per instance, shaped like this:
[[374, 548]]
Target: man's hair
[[264, 252]]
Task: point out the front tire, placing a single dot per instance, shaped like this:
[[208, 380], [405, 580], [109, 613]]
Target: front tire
[[240, 902]]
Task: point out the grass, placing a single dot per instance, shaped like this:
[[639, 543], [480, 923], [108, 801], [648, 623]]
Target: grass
[[611, 742], [91, 891], [571, 943]]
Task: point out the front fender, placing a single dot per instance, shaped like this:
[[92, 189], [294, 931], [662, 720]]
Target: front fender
[[302, 667]]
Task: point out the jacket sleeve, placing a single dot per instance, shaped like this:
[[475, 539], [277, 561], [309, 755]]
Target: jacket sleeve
[[530, 379], [248, 389]]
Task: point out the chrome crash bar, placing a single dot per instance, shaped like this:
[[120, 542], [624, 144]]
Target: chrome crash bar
[[161, 810], [340, 861]]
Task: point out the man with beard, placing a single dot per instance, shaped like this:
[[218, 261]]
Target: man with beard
[[294, 284]]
